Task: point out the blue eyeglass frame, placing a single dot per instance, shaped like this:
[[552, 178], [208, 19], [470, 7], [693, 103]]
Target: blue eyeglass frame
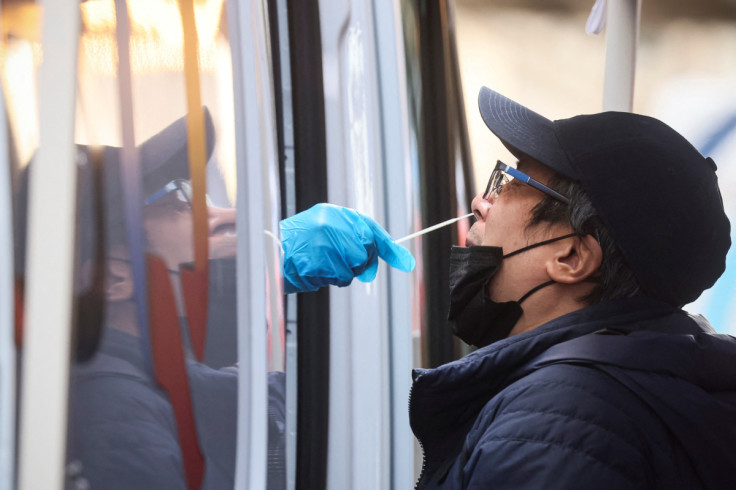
[[521, 176], [175, 185]]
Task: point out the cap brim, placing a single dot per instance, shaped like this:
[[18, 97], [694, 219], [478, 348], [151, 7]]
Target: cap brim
[[164, 157], [523, 131]]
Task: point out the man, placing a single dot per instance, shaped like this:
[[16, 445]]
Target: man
[[588, 373]]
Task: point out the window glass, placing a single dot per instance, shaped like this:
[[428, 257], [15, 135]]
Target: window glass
[[20, 58], [153, 398], [445, 190]]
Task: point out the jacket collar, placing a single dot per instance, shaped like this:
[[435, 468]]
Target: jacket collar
[[445, 401]]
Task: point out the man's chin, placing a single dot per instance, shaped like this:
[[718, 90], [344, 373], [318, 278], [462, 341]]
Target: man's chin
[[474, 236]]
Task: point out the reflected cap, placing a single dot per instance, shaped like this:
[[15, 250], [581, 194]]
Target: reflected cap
[[656, 194], [162, 158]]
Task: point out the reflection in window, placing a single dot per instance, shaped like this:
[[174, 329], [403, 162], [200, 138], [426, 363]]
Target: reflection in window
[[152, 407]]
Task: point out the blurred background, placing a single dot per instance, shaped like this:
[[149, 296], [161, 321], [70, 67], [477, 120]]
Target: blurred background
[[538, 53]]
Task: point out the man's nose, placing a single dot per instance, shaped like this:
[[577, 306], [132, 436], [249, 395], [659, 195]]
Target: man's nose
[[480, 207]]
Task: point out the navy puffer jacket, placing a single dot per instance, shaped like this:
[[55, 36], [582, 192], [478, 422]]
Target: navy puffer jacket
[[627, 394], [123, 433]]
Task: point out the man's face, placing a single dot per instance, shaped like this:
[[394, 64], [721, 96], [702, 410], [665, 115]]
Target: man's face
[[168, 225], [501, 221]]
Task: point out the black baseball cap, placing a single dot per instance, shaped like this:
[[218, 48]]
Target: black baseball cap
[[656, 194]]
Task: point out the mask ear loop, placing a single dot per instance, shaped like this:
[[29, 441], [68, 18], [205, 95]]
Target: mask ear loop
[[529, 247], [534, 290], [535, 245]]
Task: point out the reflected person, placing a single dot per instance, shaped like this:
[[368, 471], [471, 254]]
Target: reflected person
[[122, 429]]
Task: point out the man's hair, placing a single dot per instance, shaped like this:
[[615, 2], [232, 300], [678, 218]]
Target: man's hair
[[615, 279]]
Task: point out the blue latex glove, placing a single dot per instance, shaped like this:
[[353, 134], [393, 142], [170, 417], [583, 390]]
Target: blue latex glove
[[328, 244]]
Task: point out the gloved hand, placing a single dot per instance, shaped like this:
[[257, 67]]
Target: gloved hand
[[328, 244]]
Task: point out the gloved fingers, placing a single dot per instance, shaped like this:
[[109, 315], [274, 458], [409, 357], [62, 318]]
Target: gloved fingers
[[370, 271], [291, 287], [328, 244], [394, 254], [317, 263], [323, 245]]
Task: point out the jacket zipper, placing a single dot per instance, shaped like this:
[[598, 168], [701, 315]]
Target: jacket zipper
[[417, 485]]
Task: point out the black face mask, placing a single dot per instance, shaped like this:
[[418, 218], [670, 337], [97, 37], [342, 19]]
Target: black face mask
[[221, 347], [221, 343], [474, 317]]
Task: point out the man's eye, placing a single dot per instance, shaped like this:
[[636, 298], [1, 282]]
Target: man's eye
[[171, 202], [508, 184], [179, 206]]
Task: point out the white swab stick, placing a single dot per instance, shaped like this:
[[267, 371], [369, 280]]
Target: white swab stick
[[432, 228]]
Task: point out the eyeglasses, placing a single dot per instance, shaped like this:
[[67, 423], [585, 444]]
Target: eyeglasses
[[503, 174], [182, 189]]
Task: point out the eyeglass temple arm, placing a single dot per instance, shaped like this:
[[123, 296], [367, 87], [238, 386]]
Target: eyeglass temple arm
[[160, 193], [536, 184]]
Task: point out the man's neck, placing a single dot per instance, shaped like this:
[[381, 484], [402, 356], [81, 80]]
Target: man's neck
[[546, 305]]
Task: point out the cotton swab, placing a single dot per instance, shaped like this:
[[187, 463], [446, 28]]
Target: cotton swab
[[403, 239], [432, 228]]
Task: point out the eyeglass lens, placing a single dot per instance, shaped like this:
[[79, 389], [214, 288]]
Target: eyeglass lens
[[498, 179], [184, 192]]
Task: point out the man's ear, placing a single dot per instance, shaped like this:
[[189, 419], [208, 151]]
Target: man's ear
[[575, 260], [119, 281]]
